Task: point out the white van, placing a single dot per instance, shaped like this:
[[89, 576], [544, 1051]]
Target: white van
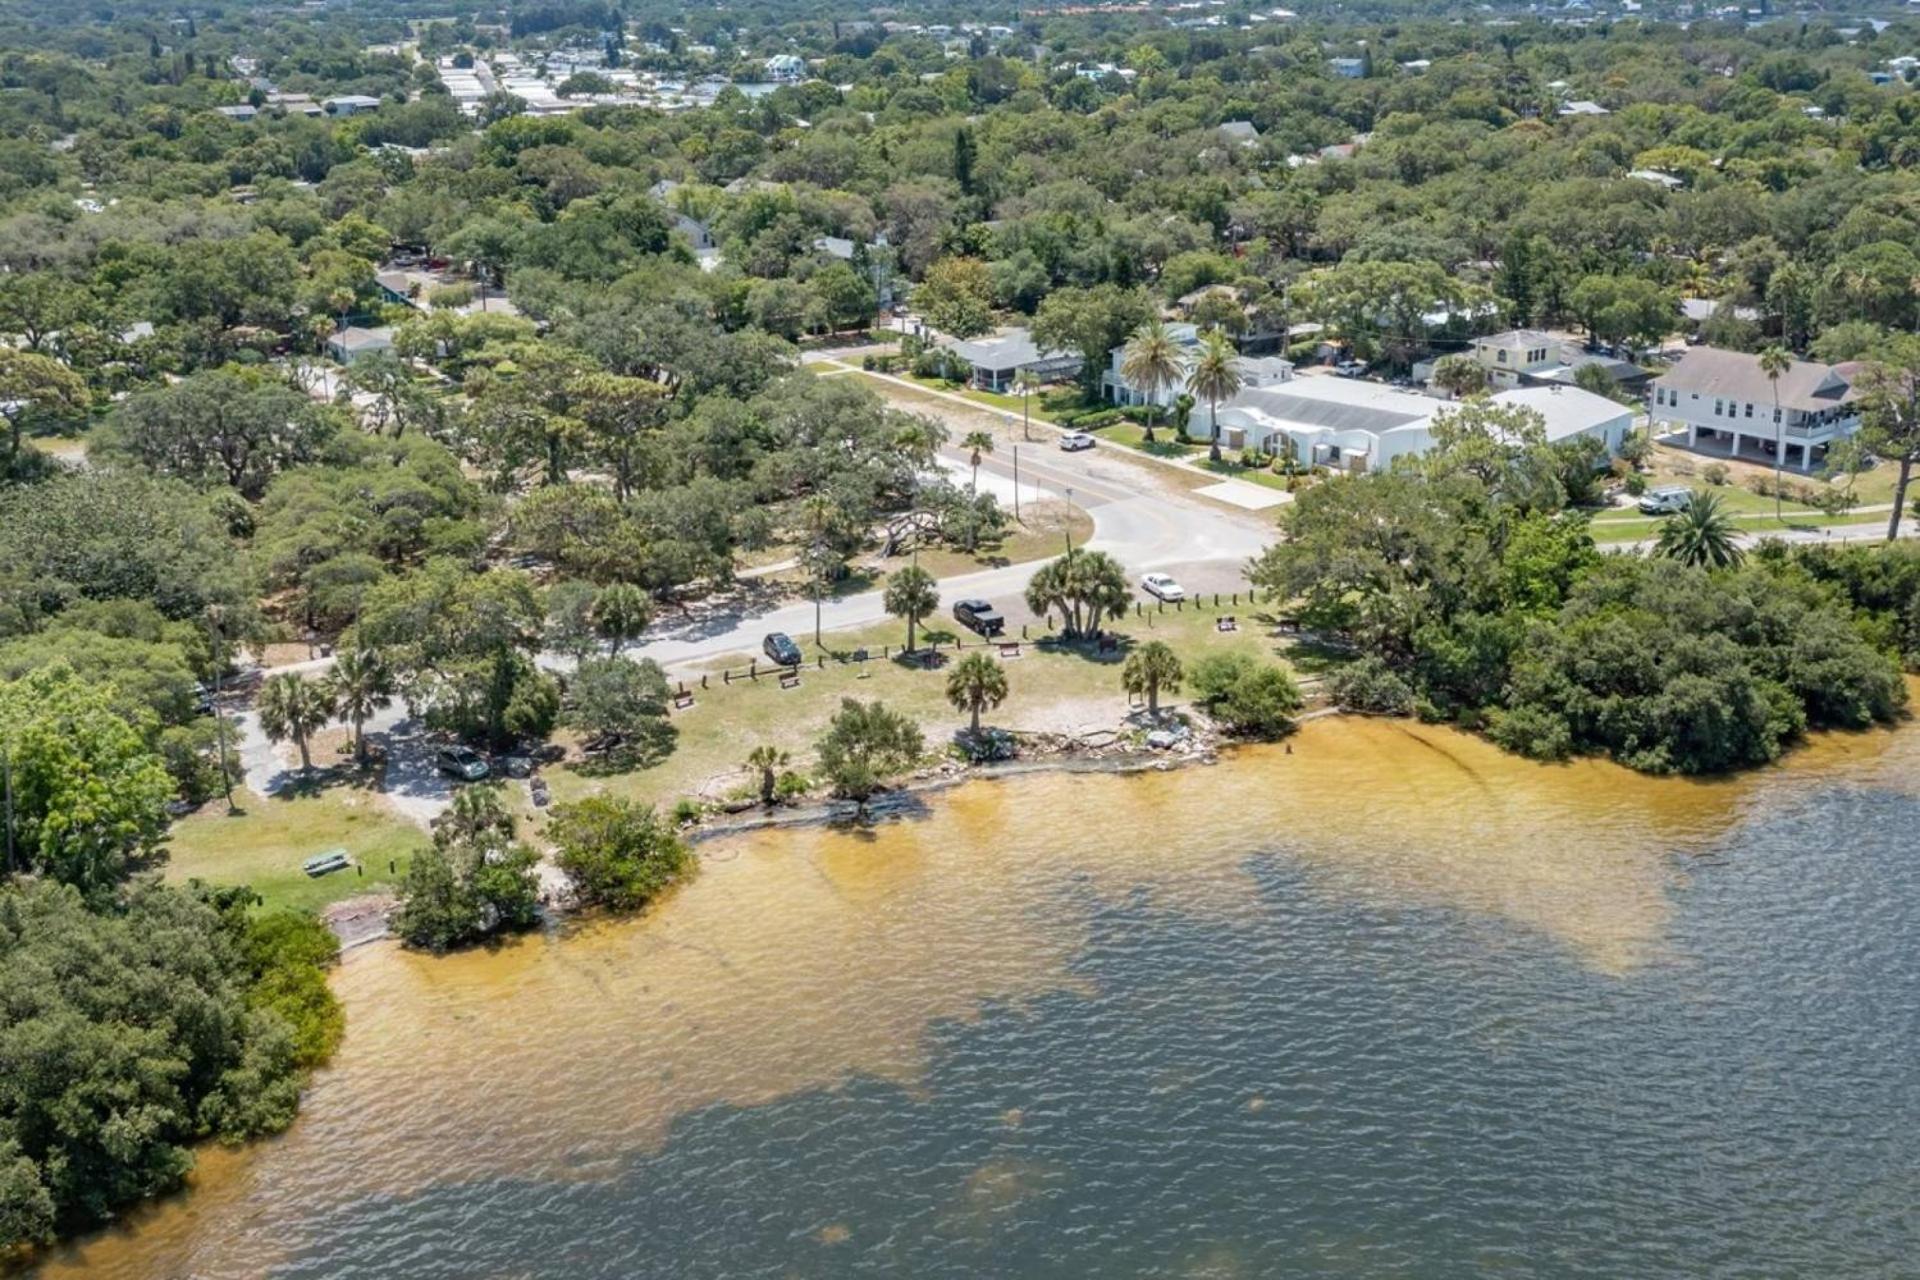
[[1667, 500]]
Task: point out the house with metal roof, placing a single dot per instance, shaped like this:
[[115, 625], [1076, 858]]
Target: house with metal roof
[[1356, 425], [350, 104], [352, 343], [1727, 405], [993, 362]]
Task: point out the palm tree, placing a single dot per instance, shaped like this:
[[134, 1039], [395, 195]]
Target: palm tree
[[291, 707], [978, 445], [766, 760], [1216, 377], [1025, 383], [1151, 362], [1774, 361], [1150, 668], [911, 595], [1460, 375], [977, 683], [360, 685], [1700, 534]]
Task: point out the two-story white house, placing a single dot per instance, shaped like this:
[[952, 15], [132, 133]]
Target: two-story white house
[[1505, 356], [1530, 358], [1255, 371], [1725, 402]]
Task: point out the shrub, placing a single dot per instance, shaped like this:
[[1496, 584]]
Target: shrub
[[1636, 484], [1533, 732], [1211, 676], [1245, 695], [1715, 473], [1260, 704], [1371, 685], [618, 854]]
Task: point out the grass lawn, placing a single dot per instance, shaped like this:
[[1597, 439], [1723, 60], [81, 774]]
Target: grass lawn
[[1039, 535], [1166, 441], [65, 448], [992, 399], [1638, 526], [1735, 501], [1047, 688], [266, 842], [1252, 475]]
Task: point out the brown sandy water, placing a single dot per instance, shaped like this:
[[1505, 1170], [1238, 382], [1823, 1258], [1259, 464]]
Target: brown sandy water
[[804, 959]]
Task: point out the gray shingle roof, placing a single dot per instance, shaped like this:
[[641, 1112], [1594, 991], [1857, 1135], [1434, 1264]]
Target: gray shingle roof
[[1737, 376]]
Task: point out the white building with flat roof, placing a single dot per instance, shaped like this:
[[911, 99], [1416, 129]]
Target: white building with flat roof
[[1356, 425]]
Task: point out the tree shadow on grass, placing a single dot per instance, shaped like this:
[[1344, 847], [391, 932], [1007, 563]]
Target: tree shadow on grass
[[1107, 649], [1314, 655], [643, 750], [299, 784]]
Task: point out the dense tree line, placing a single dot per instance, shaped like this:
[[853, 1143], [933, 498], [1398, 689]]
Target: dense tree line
[[1473, 594]]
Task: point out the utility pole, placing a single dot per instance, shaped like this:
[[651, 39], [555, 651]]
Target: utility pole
[[6, 767], [1016, 482], [219, 720], [1066, 530]]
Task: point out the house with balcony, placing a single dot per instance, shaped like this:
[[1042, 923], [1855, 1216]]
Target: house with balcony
[[1727, 406], [1255, 371]]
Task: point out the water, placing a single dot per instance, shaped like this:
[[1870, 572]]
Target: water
[[1393, 1004]]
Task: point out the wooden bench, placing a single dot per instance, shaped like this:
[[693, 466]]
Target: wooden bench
[[1226, 624], [682, 700], [789, 679], [1009, 649], [1108, 644]]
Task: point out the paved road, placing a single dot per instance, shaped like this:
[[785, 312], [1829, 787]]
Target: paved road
[[1142, 522]]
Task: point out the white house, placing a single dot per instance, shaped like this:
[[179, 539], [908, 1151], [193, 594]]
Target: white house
[[1571, 412], [786, 67], [1723, 399], [992, 362], [1259, 371], [1505, 356], [353, 342], [1358, 425], [1527, 357], [350, 104]]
